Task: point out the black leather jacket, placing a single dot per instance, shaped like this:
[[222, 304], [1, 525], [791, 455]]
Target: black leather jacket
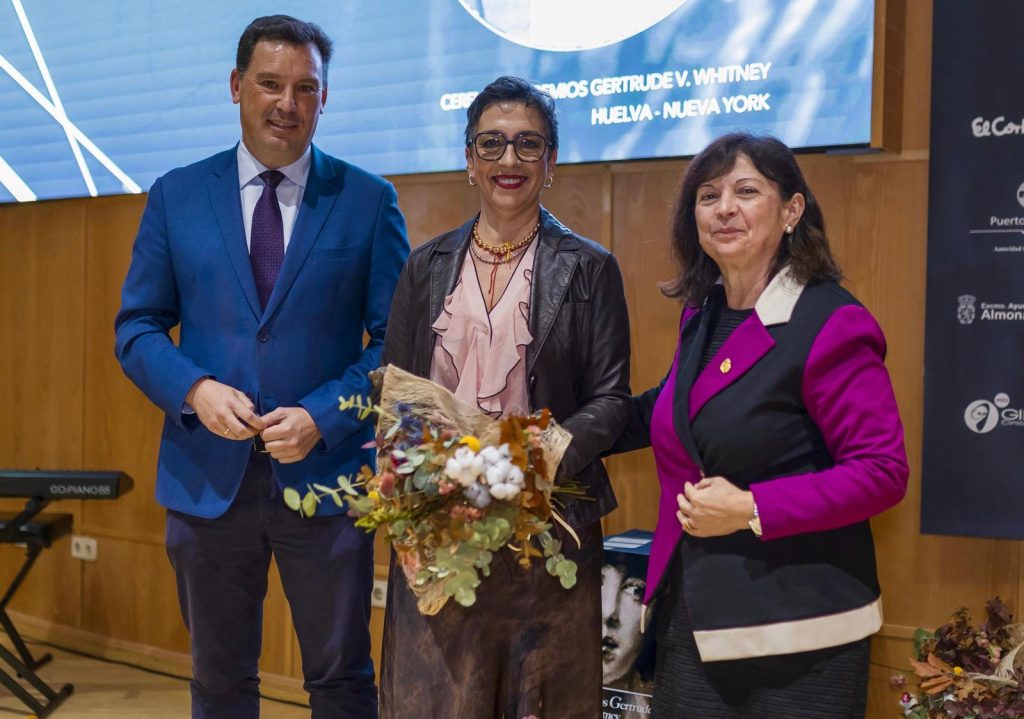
[[578, 363]]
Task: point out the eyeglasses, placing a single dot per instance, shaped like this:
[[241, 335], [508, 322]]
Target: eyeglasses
[[529, 146]]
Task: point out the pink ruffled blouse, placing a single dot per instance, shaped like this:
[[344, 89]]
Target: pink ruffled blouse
[[481, 356]]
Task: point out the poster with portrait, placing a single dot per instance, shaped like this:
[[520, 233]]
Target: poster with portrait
[[973, 462], [626, 652]]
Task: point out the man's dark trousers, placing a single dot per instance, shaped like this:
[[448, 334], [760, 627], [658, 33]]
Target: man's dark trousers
[[326, 566]]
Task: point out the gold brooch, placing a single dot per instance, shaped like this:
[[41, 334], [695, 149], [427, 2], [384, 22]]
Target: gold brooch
[[726, 366]]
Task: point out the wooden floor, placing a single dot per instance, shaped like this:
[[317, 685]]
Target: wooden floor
[[104, 689]]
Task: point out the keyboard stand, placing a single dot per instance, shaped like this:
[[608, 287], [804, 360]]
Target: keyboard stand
[[35, 532]]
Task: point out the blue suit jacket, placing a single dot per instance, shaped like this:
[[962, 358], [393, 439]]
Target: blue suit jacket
[[190, 267]]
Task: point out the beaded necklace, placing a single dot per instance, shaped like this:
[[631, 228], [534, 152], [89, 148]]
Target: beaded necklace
[[500, 254]]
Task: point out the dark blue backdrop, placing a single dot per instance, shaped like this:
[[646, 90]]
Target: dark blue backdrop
[[973, 473]]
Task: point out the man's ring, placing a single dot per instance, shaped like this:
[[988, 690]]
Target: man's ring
[[687, 526], [227, 431]]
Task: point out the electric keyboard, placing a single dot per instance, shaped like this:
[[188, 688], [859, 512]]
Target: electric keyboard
[[47, 484], [34, 532]]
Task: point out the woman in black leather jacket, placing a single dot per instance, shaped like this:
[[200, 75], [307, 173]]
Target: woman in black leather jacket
[[517, 313]]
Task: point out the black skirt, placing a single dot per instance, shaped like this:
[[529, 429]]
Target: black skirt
[[526, 647], [822, 684]]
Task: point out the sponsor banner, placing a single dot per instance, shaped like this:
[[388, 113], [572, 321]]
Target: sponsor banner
[[973, 461]]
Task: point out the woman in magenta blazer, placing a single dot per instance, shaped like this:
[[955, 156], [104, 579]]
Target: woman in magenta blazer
[[776, 437]]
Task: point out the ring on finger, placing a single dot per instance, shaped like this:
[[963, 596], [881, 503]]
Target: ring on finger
[[227, 431]]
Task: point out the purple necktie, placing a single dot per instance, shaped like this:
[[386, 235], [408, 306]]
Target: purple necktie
[[266, 246]]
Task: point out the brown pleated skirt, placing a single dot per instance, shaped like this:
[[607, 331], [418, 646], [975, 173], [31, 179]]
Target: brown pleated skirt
[[527, 647]]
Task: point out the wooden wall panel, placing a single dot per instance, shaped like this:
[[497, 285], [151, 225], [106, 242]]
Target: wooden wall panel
[[280, 648], [433, 204], [41, 379], [129, 594], [917, 76], [642, 203], [41, 338], [122, 430]]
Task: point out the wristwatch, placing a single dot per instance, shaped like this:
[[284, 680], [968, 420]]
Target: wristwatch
[[755, 523]]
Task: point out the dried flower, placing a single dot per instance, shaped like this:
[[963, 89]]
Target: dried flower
[[448, 499], [960, 670]]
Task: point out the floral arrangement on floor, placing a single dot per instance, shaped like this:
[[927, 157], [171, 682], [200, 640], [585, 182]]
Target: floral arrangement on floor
[[967, 672], [453, 487]]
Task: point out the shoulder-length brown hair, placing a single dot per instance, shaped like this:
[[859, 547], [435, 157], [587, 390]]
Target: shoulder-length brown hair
[[806, 251]]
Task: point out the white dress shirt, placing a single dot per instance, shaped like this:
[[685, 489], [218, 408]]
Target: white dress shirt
[[289, 192]]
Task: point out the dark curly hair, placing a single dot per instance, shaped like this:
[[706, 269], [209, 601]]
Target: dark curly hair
[[283, 28], [806, 252], [509, 88]]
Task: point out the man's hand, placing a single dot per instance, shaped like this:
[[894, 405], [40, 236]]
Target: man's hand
[[714, 507], [290, 434], [224, 410]]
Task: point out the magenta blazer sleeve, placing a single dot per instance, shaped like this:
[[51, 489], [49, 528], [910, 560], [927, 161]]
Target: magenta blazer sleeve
[[848, 394]]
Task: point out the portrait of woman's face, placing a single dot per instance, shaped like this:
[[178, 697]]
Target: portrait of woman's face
[[621, 606]]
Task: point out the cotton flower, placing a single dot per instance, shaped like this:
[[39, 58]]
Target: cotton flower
[[498, 473], [490, 455], [478, 495], [515, 476], [504, 491], [464, 466]]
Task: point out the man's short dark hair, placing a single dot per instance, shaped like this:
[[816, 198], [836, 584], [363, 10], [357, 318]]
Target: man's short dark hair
[[284, 28], [508, 88]]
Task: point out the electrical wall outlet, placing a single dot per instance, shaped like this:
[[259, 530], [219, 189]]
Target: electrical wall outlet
[[379, 595], [83, 548]]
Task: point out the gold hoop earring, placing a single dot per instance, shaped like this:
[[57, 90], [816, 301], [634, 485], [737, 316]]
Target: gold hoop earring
[[550, 182], [472, 182]]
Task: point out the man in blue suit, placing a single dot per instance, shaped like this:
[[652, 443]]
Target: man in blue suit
[[274, 259]]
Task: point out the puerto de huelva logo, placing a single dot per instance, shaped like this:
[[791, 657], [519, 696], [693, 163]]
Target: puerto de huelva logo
[[996, 127], [982, 415]]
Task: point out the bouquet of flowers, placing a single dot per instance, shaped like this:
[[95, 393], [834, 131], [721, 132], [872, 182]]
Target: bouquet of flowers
[[967, 672], [452, 487]]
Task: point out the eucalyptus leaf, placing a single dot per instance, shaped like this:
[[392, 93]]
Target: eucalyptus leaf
[[552, 548], [566, 572], [292, 498], [309, 503], [921, 636], [363, 505], [346, 485], [465, 596]]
